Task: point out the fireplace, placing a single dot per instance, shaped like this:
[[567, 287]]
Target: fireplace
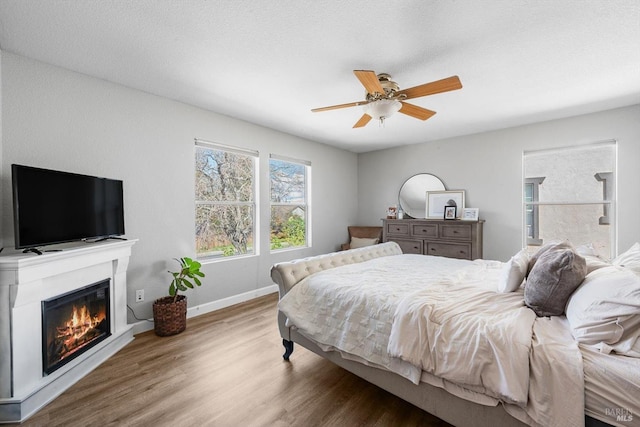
[[26, 280], [73, 323]]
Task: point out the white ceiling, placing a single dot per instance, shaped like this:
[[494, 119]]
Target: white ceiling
[[520, 61]]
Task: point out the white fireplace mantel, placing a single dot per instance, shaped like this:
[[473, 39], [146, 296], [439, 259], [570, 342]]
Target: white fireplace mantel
[[28, 279]]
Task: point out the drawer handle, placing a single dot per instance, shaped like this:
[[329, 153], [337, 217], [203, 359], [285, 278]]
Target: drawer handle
[[433, 249], [455, 231]]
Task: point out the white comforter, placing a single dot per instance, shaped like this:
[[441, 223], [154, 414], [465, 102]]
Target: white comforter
[[458, 328], [422, 316]]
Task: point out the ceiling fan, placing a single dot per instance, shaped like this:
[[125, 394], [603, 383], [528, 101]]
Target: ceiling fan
[[384, 97]]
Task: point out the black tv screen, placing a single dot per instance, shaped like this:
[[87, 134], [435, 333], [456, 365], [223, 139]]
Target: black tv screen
[[55, 207]]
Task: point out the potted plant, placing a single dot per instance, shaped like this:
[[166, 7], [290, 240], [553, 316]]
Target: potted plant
[[170, 312]]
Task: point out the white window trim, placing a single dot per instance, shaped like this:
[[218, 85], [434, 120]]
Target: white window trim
[[217, 146]]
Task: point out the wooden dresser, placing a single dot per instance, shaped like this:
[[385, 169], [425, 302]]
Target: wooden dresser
[[449, 238]]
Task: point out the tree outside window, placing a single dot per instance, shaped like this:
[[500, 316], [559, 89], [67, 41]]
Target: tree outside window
[[289, 203], [225, 201]]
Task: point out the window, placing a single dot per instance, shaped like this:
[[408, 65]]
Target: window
[[569, 194], [289, 202], [225, 200]]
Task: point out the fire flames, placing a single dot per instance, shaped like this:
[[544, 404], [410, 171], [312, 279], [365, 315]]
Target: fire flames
[[78, 330]]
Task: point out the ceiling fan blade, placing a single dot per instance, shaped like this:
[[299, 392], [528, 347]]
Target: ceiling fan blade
[[363, 121], [439, 86], [369, 80], [335, 107], [415, 111]]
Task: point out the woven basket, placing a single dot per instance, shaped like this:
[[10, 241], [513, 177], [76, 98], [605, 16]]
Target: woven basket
[[170, 318]]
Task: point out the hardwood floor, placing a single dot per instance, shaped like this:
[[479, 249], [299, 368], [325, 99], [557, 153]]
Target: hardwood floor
[[226, 369]]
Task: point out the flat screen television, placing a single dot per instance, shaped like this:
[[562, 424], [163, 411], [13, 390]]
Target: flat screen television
[[55, 207]]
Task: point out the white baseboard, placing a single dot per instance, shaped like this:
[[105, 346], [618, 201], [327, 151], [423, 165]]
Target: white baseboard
[[145, 325]]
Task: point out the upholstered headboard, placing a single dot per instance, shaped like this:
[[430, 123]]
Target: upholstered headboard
[[288, 274]]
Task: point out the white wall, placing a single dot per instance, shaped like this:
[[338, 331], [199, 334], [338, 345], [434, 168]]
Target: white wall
[[57, 119], [489, 167]]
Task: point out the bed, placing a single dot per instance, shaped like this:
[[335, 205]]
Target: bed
[[397, 321]]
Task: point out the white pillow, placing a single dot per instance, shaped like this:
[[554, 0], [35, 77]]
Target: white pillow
[[513, 272], [605, 309], [630, 259], [586, 249], [361, 242], [594, 261]]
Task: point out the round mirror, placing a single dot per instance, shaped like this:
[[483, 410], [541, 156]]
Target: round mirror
[[413, 193]]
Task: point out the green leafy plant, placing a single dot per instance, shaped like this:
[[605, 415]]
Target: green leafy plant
[[295, 229], [186, 278]]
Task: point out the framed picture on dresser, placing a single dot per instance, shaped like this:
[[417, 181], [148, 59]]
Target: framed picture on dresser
[[438, 200], [449, 212], [470, 214]]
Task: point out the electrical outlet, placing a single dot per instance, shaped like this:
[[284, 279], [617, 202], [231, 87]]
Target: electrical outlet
[[140, 295]]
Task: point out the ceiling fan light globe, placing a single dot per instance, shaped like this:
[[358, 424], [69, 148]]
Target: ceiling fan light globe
[[382, 109]]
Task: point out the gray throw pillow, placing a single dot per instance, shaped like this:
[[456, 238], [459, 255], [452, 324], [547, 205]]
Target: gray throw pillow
[[554, 245], [557, 272]]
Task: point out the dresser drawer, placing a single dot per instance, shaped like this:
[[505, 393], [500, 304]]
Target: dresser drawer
[[409, 246], [455, 231], [451, 250], [424, 230], [398, 229]]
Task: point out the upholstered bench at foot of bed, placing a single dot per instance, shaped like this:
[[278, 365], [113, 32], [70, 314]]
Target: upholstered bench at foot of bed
[[287, 274]]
